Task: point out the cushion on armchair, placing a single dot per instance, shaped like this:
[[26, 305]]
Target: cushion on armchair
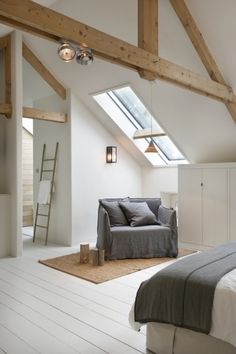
[[138, 214], [115, 213]]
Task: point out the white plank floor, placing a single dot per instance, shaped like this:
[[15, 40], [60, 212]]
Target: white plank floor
[[46, 311]]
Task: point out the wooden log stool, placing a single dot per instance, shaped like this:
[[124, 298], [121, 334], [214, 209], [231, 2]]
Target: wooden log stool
[[101, 256], [84, 252], [94, 255], [97, 256]]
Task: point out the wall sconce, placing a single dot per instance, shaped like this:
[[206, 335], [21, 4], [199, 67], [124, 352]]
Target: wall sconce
[[67, 52], [84, 55], [111, 154]]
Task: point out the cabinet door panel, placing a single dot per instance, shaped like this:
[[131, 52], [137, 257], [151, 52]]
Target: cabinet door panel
[[233, 203], [189, 211], [215, 206]]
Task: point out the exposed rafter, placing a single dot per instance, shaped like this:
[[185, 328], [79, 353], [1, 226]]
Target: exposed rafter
[[5, 108], [33, 113], [201, 47], [52, 25], [7, 63], [5, 46], [43, 71], [3, 42], [147, 133], [148, 31]]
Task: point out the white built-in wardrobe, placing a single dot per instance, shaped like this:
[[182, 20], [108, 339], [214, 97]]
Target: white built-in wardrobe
[[207, 204]]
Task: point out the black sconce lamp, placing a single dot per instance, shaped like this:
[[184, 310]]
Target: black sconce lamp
[[111, 154]]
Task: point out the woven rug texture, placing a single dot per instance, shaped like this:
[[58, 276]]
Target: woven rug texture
[[110, 270]]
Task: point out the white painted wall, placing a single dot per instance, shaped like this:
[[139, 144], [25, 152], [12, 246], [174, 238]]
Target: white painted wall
[[50, 133], [2, 154], [5, 219], [32, 79], [12, 166], [2, 128], [92, 177], [82, 173], [157, 180], [4, 199]]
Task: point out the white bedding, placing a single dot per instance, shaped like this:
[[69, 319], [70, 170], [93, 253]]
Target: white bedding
[[223, 311]]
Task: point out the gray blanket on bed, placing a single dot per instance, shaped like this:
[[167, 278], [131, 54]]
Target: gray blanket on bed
[[182, 294]]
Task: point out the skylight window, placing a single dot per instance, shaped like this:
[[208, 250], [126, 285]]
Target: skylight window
[[125, 108]]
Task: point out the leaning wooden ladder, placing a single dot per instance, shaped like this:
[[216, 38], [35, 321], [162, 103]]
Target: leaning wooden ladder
[[51, 171]]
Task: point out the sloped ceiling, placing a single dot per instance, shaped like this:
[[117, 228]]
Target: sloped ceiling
[[201, 127]]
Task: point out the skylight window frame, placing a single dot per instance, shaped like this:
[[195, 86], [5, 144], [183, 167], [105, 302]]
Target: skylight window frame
[[110, 92], [124, 109], [134, 121], [121, 104]]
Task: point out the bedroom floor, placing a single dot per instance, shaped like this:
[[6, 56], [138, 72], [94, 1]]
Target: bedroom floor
[[46, 311]]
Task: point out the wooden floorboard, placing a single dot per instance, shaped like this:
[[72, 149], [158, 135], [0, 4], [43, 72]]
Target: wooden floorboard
[[42, 308], [11, 343]]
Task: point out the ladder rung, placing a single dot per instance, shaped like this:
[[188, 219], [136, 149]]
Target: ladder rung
[[47, 170], [42, 215], [49, 160], [44, 227]]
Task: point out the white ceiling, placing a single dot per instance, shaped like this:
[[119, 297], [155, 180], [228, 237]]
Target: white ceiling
[[201, 127]]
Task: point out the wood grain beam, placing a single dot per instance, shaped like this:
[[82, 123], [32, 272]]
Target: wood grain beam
[[5, 108], [5, 46], [33, 113], [7, 65], [147, 133], [43, 71], [4, 41], [52, 25], [148, 32], [201, 47]]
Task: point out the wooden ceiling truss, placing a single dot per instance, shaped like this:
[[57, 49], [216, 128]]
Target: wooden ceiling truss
[[33, 60], [29, 112], [51, 25], [201, 47], [40, 68]]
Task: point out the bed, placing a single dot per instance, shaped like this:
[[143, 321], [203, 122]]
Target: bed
[[200, 318]]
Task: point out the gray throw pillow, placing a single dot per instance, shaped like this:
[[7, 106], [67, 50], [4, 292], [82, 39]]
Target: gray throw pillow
[[138, 214], [115, 213]]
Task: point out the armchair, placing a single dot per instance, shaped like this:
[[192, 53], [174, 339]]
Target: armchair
[[120, 240]]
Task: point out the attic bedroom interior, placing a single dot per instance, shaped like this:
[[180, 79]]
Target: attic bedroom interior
[[117, 176]]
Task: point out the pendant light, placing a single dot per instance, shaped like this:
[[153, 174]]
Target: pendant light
[[151, 146]]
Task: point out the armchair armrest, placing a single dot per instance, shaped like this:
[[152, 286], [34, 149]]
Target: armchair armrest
[[103, 230], [167, 217]]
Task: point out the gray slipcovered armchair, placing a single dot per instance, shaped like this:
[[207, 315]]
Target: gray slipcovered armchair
[[121, 240]]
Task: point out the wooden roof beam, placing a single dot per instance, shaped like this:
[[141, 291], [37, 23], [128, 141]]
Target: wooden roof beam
[[50, 24], [34, 113], [4, 41], [201, 47], [147, 133], [7, 64], [148, 32], [43, 71], [5, 46], [5, 108]]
